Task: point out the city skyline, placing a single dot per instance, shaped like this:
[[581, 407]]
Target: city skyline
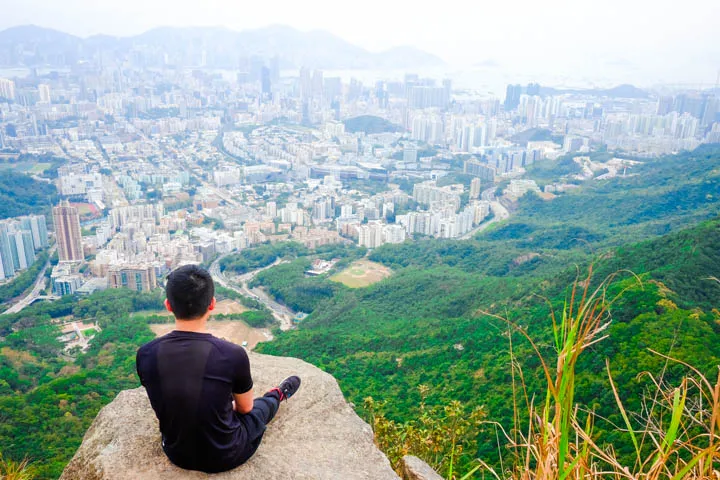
[[182, 145], [629, 41]]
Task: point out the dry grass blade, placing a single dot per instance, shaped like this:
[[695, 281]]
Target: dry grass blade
[[10, 470], [681, 423]]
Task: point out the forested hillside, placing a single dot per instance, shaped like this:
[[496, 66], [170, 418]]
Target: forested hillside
[[22, 195], [431, 323], [447, 325], [48, 400]]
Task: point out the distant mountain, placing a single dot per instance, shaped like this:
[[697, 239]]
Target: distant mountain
[[32, 34], [31, 45], [204, 46], [621, 91]]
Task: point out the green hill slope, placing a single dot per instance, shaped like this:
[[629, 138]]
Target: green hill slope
[[22, 195], [425, 324]]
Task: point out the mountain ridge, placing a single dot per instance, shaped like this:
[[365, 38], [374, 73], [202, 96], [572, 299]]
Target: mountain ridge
[[620, 91], [220, 47]]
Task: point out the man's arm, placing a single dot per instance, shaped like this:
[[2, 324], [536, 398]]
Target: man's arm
[[243, 402], [242, 383]]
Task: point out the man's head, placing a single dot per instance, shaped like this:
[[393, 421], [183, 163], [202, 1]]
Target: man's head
[[190, 292]]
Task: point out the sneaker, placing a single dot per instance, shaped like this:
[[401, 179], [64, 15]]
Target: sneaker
[[289, 386]]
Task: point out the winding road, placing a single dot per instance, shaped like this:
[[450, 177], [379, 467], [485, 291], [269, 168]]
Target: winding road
[[499, 213], [281, 312]]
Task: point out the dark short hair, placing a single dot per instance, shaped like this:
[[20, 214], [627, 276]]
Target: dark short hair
[[189, 289]]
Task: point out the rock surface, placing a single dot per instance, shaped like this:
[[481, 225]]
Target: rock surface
[[315, 435], [416, 469]]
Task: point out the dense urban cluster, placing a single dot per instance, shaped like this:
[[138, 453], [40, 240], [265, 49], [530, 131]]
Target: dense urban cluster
[[165, 164], [20, 239]]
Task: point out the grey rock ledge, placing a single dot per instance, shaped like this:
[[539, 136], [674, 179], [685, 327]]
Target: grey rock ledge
[[316, 435]]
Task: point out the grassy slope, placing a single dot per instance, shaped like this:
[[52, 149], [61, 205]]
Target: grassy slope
[[387, 339]]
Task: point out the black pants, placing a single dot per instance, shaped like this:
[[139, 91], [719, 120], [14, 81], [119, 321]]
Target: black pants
[[264, 410]]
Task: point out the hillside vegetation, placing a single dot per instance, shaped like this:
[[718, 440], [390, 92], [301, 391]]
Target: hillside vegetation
[[448, 357], [370, 124], [440, 320], [22, 195], [48, 401]]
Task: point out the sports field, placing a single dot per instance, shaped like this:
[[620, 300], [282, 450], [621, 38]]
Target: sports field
[[86, 210], [31, 168], [362, 273]]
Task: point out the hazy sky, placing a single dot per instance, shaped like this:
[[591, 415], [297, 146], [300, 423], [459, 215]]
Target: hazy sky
[[667, 39]]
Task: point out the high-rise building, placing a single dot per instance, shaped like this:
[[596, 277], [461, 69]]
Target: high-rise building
[[44, 93], [394, 234], [275, 69], [271, 209], [512, 97], [38, 227], [305, 83], [323, 209], [7, 89], [317, 84], [428, 193], [475, 188], [266, 83], [427, 128], [346, 211], [332, 87], [447, 85], [67, 231], [5, 252], [28, 250], [712, 108], [481, 170], [370, 235], [256, 66], [665, 105], [21, 247], [421, 96]]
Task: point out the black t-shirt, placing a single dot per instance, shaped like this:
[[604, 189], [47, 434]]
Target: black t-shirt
[[190, 378]]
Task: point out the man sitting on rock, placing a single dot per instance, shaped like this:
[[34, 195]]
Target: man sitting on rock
[[200, 386]]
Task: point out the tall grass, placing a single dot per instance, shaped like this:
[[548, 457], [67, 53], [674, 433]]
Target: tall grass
[[10, 470], [675, 436]]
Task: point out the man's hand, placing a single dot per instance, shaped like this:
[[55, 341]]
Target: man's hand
[[243, 402]]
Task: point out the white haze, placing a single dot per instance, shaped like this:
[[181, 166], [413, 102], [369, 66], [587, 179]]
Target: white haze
[[643, 42]]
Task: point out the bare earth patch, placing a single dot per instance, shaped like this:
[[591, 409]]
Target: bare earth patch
[[227, 306], [362, 274], [223, 307], [234, 331]]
